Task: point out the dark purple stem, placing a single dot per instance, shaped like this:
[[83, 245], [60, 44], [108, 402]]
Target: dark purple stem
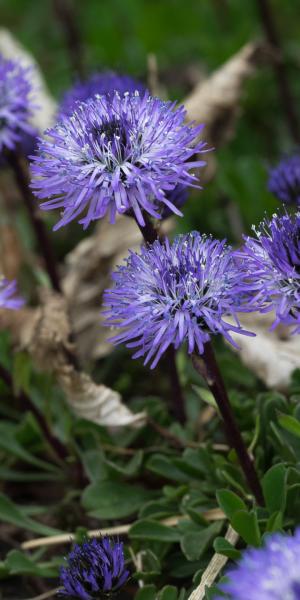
[[22, 179], [206, 365], [150, 235], [284, 89], [27, 404], [64, 10]]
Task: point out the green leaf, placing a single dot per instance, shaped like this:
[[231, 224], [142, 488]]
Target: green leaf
[[230, 503], [169, 592], [7, 474], [274, 488], [148, 592], [11, 513], [223, 546], [290, 424], [148, 529], [21, 372], [113, 499], [18, 563], [163, 466], [275, 522], [194, 544], [9, 444], [132, 467], [205, 395], [246, 525]]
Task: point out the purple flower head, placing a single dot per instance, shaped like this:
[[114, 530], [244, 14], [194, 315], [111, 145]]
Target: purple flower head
[[284, 180], [8, 298], [178, 197], [15, 103], [116, 154], [101, 84], [94, 569], [273, 257], [268, 573], [171, 293]]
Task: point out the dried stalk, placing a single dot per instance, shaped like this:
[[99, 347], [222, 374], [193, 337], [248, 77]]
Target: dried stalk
[[213, 569], [45, 595], [215, 514]]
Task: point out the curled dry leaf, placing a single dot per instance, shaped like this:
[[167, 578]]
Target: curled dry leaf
[[46, 106], [271, 355], [88, 274], [216, 100], [45, 333]]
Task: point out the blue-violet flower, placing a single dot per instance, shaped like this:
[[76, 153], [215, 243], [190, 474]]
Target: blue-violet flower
[[171, 293], [8, 298], [101, 84], [284, 180], [94, 569], [273, 258], [15, 103], [116, 154], [268, 573]]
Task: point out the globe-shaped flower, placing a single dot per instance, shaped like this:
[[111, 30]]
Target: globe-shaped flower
[[284, 180], [171, 293], [101, 84], [268, 573], [116, 154], [273, 257], [15, 104], [8, 298], [94, 569], [178, 197]]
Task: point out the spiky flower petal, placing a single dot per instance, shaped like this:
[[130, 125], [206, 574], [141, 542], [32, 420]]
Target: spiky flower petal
[[94, 569], [273, 258], [101, 84], [116, 154], [15, 104], [268, 573], [284, 180], [8, 298], [171, 293]]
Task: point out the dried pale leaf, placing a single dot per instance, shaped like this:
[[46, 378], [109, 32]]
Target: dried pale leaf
[[45, 333], [88, 274], [216, 100], [46, 106], [271, 355]]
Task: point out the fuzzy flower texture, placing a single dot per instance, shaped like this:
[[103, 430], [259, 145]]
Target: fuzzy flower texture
[[273, 258], [8, 298], [171, 293], [15, 104], [269, 573], [94, 569], [114, 155], [284, 180], [101, 84]]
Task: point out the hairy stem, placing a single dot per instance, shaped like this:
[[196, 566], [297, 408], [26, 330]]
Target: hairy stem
[[64, 10], [207, 367], [22, 179], [150, 235], [285, 93], [58, 448]]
